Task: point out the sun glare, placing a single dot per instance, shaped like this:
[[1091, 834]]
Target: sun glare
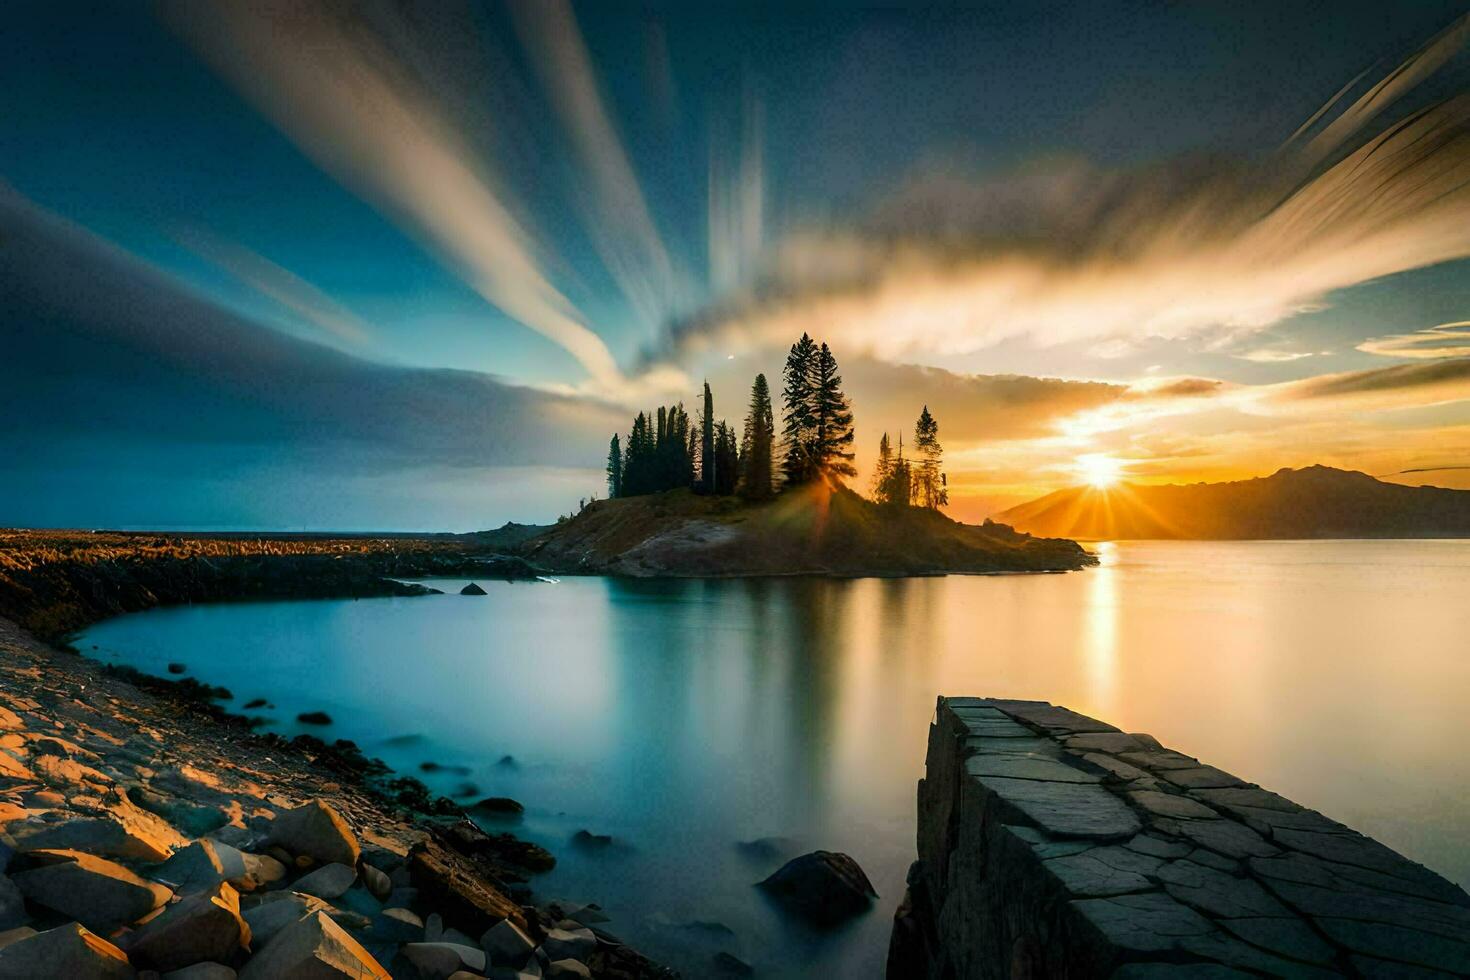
[[1099, 469]]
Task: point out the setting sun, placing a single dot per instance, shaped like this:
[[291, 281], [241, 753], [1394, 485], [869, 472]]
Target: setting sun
[[1099, 469]]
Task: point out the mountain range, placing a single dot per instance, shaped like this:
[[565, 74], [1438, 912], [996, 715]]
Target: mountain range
[[1312, 502]]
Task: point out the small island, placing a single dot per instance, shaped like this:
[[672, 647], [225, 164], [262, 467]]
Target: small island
[[690, 500]]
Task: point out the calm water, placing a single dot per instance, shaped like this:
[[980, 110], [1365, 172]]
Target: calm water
[[682, 717]]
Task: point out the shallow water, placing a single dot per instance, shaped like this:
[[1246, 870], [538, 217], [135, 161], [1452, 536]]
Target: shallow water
[[682, 717]]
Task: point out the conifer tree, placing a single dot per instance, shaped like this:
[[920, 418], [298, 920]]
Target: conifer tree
[[726, 459], [798, 424], [757, 443], [614, 468], [929, 483], [832, 414], [708, 462], [883, 469]]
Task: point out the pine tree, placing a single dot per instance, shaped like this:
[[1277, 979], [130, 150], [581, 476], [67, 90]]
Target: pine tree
[[726, 459], [708, 463], [883, 469], [929, 483], [757, 443], [898, 486], [614, 468], [798, 424], [832, 414]]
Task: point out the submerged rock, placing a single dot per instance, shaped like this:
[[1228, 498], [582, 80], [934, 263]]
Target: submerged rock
[[823, 887], [176, 668], [314, 718], [472, 589], [499, 805]]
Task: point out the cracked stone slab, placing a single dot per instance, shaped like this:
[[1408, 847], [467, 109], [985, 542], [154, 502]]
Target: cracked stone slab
[[1067, 809], [1103, 871], [1201, 777], [1218, 893], [1151, 923], [1027, 767], [1171, 805]]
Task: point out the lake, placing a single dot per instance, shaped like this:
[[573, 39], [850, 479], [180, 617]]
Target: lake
[[682, 717]]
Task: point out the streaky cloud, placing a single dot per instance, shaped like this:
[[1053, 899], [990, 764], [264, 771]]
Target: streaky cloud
[[1445, 340], [321, 74], [1066, 254]]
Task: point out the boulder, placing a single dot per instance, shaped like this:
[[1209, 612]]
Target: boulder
[[318, 831], [202, 971], [823, 887], [329, 881], [569, 944], [567, 970], [314, 718], [205, 926], [201, 865], [98, 893], [11, 936], [506, 945], [276, 911], [439, 961], [68, 951], [499, 805], [314, 947], [452, 883], [472, 589], [121, 829], [12, 905], [376, 882]]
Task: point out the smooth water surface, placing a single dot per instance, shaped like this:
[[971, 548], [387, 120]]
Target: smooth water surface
[[682, 717]]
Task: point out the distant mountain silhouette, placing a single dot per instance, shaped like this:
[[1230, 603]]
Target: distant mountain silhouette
[[1314, 502]]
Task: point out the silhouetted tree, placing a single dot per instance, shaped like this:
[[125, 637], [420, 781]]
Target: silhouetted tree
[[930, 486], [757, 442], [708, 460], [656, 457], [897, 487], [798, 422], [727, 462], [614, 468], [832, 413], [882, 469]]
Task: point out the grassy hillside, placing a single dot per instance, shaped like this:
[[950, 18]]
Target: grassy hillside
[[812, 531], [1314, 502]]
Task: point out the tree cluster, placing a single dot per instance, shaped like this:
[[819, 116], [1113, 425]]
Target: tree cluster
[[666, 450], [917, 482]]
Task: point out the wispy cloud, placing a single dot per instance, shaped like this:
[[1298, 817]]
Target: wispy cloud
[[1267, 355], [280, 285], [338, 90], [1445, 340], [737, 200], [615, 211], [1076, 255]]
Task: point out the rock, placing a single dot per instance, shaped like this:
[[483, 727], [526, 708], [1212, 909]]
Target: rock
[[376, 882], [98, 893], [202, 971], [506, 945], [201, 865], [452, 883], [11, 936], [439, 961], [314, 718], [587, 839], [276, 911], [68, 951], [329, 881], [569, 944], [316, 830], [314, 947], [176, 668], [729, 965], [204, 926], [472, 589], [121, 830], [507, 762], [500, 805], [434, 927], [12, 905], [566, 970], [823, 887]]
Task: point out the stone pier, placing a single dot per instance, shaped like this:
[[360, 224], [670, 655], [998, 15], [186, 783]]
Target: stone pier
[[1054, 845]]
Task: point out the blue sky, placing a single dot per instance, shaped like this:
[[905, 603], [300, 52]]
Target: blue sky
[[128, 127]]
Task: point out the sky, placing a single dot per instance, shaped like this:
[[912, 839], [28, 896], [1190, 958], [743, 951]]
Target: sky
[[409, 266]]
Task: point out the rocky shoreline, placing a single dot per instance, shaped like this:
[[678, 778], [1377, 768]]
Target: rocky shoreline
[[141, 834]]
